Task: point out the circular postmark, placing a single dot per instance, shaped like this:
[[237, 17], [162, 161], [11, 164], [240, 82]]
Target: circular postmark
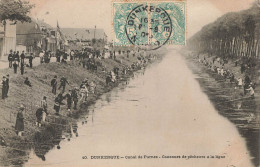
[[148, 26]]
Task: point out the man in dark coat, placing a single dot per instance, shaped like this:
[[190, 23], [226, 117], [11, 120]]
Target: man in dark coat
[[19, 125], [22, 68], [7, 85], [10, 58], [22, 57], [69, 99], [39, 113], [27, 82], [15, 67], [58, 54], [63, 82], [57, 103], [54, 85], [17, 58], [4, 87], [31, 60], [75, 98]]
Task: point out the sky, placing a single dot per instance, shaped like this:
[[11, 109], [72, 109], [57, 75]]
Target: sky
[[91, 13]]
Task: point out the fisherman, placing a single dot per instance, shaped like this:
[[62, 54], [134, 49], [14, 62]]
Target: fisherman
[[15, 67], [31, 60], [44, 106], [57, 103], [19, 125], [83, 93], [4, 87], [251, 91], [69, 100], [27, 82], [10, 58], [39, 114], [22, 57], [75, 99], [63, 82], [54, 84], [240, 82]]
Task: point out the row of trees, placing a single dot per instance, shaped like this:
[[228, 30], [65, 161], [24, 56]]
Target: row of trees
[[232, 35]]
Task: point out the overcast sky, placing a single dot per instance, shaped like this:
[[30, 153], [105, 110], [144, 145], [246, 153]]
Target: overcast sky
[[88, 13]]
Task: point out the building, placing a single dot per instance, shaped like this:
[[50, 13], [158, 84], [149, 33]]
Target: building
[[37, 35], [28, 37], [79, 38], [7, 38]]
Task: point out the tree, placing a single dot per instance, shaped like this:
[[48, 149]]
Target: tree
[[15, 10]]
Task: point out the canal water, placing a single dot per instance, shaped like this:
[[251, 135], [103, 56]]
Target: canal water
[[161, 112]]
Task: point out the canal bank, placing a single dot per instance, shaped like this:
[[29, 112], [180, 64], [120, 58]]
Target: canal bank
[[229, 100], [14, 149], [161, 112]]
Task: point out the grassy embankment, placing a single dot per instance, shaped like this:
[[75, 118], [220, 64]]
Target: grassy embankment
[[18, 147], [230, 101]]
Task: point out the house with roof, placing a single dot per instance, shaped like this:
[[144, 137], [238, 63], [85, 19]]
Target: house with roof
[[28, 37], [79, 38], [37, 35]]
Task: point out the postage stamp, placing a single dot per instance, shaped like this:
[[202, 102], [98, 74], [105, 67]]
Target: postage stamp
[[149, 23]]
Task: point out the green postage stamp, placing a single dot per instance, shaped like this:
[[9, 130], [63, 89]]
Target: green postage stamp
[[149, 23]]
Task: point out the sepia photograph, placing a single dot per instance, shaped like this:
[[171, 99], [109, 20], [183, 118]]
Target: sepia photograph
[[130, 83]]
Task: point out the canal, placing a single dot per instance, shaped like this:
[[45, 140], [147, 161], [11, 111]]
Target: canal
[[157, 119]]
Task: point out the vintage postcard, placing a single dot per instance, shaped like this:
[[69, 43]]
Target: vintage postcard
[[129, 83]]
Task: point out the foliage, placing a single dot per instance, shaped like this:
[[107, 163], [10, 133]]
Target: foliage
[[230, 35], [15, 10]]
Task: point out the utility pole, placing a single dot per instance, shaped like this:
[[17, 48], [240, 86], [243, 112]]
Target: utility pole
[[95, 33]]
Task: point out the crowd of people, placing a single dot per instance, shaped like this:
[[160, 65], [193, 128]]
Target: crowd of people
[[74, 95], [241, 80]]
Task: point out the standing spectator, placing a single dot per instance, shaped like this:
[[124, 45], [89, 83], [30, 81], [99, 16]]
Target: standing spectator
[[15, 67], [58, 54], [22, 57], [31, 60], [54, 85], [17, 58], [41, 56], [10, 58], [19, 125], [7, 85], [3, 87], [63, 82], [22, 69]]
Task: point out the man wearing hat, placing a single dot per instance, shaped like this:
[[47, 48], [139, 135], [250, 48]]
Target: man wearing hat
[[54, 84], [22, 57], [19, 125], [10, 58]]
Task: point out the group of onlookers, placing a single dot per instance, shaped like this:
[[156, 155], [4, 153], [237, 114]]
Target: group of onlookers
[[217, 65]]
